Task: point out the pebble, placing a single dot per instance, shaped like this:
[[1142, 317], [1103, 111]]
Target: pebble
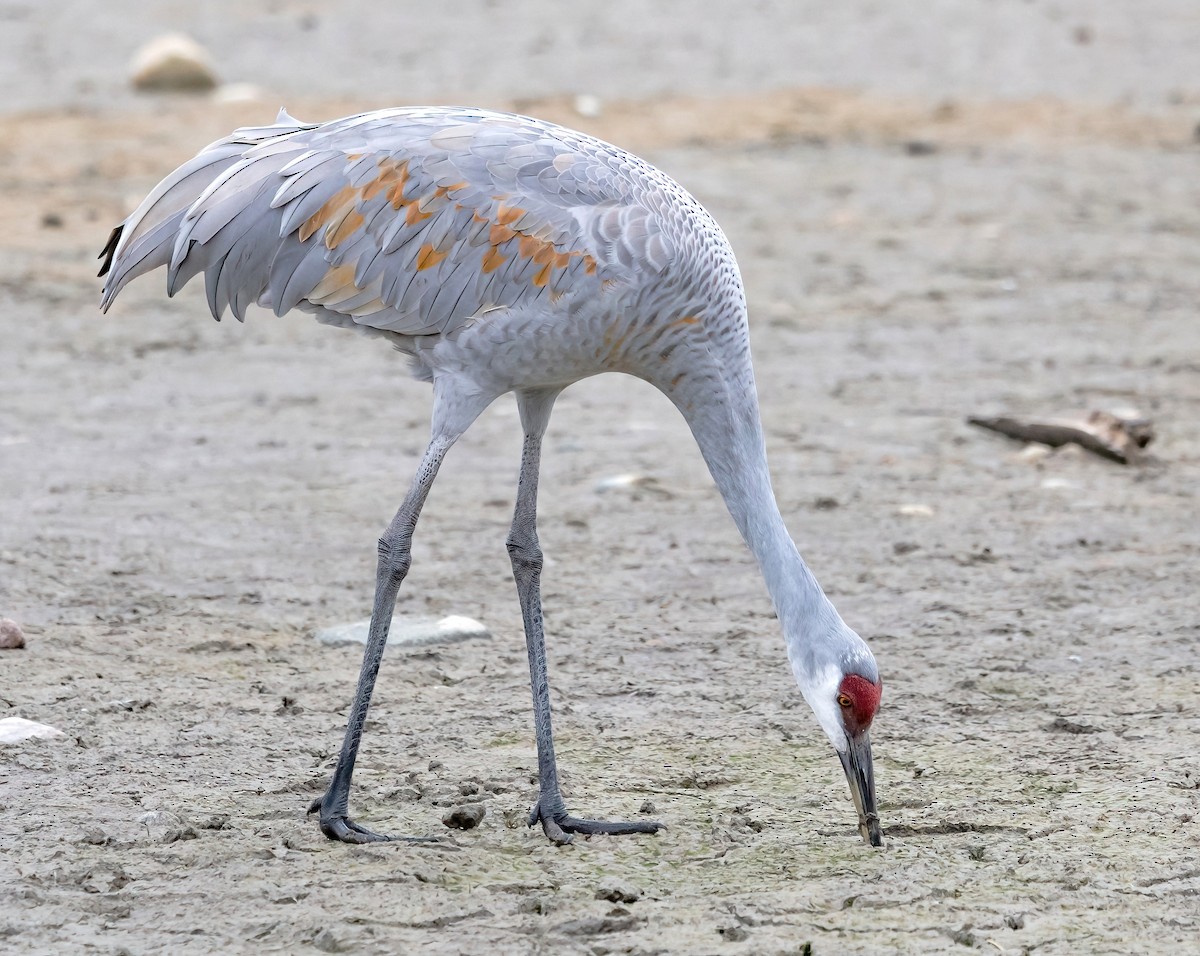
[[163, 826], [1034, 453], [588, 105], [465, 817], [11, 636], [915, 511], [633, 482], [328, 942], [616, 891], [13, 730], [172, 63], [408, 631]]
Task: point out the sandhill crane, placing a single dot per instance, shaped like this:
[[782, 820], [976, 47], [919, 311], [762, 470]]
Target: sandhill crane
[[504, 254]]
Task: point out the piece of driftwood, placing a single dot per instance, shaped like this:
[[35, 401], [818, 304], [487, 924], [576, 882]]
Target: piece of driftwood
[[1102, 433]]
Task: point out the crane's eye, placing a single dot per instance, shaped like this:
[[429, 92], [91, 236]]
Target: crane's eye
[[844, 700]]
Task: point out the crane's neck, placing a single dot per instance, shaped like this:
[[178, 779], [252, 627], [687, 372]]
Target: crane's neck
[[724, 418]]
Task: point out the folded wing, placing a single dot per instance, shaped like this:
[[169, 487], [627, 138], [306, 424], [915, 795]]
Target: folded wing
[[410, 221]]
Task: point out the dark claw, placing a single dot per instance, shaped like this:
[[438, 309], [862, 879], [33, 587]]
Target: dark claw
[[346, 830], [561, 827], [341, 827]]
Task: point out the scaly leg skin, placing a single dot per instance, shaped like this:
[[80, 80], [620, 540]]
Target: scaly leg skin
[[394, 561], [526, 556]]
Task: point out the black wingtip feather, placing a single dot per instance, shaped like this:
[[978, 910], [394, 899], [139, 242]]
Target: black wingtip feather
[[110, 247]]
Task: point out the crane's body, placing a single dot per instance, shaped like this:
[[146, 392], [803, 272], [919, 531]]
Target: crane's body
[[521, 253], [503, 254]]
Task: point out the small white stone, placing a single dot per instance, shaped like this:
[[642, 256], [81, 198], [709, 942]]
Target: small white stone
[[408, 631], [13, 730], [1034, 453], [174, 63], [588, 105], [613, 482], [915, 511], [461, 627], [1057, 484], [632, 482], [159, 820]]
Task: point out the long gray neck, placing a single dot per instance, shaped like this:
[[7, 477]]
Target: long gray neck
[[728, 429]]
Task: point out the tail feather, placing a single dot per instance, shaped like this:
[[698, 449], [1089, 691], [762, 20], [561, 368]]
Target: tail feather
[[150, 236], [147, 237], [110, 247]]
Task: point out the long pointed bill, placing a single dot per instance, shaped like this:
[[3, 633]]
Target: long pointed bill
[[860, 772]]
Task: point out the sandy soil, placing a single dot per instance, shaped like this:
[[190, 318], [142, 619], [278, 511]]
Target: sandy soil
[[184, 503]]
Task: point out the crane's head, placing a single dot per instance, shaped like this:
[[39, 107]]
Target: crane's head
[[840, 680]]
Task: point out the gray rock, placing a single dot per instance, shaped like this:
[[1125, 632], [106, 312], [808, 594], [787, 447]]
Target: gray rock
[[408, 631], [11, 638], [617, 891], [13, 730], [172, 63], [329, 942], [465, 817], [165, 826]]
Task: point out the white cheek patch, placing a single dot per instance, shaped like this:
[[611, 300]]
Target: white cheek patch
[[820, 690]]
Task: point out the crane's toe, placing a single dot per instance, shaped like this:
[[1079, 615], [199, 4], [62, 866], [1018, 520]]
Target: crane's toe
[[339, 826], [561, 827], [347, 831]]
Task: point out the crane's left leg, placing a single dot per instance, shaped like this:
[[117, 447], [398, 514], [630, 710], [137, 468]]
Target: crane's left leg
[[526, 556], [454, 408], [394, 561]]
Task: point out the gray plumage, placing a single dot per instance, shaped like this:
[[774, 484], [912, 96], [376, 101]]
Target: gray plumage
[[334, 218]]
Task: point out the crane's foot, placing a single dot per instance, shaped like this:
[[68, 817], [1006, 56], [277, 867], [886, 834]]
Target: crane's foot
[[561, 827], [341, 827]]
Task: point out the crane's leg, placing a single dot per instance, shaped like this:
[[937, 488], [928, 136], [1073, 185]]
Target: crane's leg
[[451, 419], [526, 556]]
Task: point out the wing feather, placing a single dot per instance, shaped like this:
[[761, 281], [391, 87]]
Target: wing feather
[[410, 221]]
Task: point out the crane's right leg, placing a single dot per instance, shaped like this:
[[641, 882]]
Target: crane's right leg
[[394, 561], [526, 555]]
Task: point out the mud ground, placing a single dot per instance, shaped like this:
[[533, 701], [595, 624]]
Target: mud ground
[[184, 503]]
